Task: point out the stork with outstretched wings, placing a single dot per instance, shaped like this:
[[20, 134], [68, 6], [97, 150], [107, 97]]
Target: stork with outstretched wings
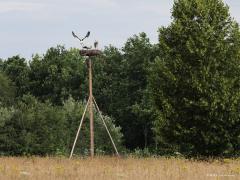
[[86, 36]]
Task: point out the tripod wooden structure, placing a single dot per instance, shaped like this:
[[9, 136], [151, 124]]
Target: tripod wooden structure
[[90, 103]]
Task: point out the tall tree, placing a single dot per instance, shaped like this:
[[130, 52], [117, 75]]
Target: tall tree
[[57, 75], [7, 90], [109, 83], [121, 78], [1, 63], [139, 53], [17, 70], [195, 80]]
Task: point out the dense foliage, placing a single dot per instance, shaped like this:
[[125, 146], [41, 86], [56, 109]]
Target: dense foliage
[[32, 127], [121, 88], [179, 95], [195, 80]]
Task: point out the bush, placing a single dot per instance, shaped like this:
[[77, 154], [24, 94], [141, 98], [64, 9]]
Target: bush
[[73, 112], [35, 128]]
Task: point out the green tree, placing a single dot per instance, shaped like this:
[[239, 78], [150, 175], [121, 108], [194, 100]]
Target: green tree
[[32, 128], [108, 82], [139, 53], [120, 86], [7, 90], [195, 80], [1, 63], [17, 70], [57, 75]]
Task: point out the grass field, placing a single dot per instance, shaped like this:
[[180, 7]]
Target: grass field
[[104, 168]]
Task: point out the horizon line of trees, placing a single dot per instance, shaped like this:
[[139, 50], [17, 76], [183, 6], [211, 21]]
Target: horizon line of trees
[[179, 95]]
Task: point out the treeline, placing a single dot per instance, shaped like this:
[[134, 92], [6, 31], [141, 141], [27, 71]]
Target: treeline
[[39, 114], [179, 95]]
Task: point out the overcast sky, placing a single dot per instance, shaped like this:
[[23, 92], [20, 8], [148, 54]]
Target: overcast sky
[[32, 26]]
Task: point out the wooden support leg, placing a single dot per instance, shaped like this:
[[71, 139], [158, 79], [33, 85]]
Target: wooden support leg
[[79, 128], [105, 126]]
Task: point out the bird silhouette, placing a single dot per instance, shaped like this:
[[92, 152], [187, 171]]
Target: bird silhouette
[[87, 35], [75, 36], [86, 47], [95, 44]]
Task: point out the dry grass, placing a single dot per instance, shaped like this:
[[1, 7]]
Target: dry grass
[[104, 168]]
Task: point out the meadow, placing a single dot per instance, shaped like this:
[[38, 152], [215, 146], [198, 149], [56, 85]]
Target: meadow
[[104, 168]]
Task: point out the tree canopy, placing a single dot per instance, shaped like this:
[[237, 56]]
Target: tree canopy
[[195, 80]]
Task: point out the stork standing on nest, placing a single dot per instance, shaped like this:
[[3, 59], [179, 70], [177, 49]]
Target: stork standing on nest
[[95, 44]]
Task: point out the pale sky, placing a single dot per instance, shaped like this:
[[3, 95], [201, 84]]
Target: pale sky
[[33, 26]]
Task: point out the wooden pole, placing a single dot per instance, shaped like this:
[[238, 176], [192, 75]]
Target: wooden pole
[[79, 128], [91, 109], [105, 126]]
